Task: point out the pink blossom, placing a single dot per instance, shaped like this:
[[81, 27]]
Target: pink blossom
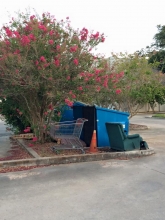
[[7, 42], [25, 40], [75, 61], [32, 37], [34, 139], [45, 113], [105, 84], [73, 96], [32, 17], [95, 36], [50, 106], [98, 79], [51, 32], [90, 75], [42, 59], [51, 42], [84, 34], [67, 18], [42, 27], [102, 39], [73, 48], [27, 130], [82, 74], [111, 76], [98, 89], [121, 74], [97, 71], [68, 77], [59, 113], [17, 51], [68, 102], [28, 28], [46, 65], [118, 91], [16, 33], [58, 47], [115, 80], [80, 88], [56, 62], [9, 32], [36, 62]]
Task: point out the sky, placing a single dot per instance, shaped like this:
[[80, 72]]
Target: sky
[[129, 25]]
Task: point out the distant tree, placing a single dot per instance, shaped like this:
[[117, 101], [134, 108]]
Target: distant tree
[[157, 50], [158, 57], [132, 84], [160, 37]]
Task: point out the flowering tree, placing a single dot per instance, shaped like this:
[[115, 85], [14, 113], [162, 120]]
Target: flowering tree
[[42, 64], [130, 83], [139, 84]]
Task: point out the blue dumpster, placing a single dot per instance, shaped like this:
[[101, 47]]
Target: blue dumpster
[[66, 113], [97, 117], [107, 115]]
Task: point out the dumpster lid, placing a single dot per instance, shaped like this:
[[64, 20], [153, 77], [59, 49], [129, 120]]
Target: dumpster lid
[[111, 110], [80, 104]]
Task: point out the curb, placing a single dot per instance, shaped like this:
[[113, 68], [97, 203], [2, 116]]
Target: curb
[[76, 158], [28, 149], [139, 129], [158, 117]]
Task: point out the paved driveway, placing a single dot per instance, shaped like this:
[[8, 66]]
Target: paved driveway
[[105, 190], [5, 145]]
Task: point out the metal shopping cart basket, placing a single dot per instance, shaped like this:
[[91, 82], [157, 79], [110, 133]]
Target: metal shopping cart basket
[[67, 134]]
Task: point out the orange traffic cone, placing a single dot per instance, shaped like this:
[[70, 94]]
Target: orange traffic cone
[[93, 144]]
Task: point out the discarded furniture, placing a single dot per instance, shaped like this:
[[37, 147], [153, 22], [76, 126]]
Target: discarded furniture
[[67, 134], [97, 117], [119, 140]]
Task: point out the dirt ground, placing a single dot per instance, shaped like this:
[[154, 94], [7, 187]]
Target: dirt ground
[[45, 150]]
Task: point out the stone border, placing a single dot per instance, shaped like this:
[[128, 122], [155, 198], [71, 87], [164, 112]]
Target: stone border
[[28, 149], [56, 160], [158, 117]]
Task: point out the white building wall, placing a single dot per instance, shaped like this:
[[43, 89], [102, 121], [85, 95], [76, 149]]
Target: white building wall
[[158, 108]]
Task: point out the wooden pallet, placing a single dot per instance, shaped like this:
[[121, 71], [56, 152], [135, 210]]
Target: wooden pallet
[[23, 136]]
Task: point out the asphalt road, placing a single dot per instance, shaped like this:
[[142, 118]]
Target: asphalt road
[[105, 190]]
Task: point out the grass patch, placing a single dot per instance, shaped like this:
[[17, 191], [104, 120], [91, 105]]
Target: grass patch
[[159, 116]]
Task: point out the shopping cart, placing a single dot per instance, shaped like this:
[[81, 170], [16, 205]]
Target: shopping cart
[[67, 134]]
